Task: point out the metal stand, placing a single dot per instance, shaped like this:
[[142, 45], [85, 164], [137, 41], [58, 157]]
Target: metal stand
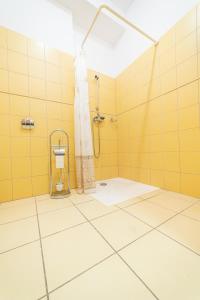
[[59, 184]]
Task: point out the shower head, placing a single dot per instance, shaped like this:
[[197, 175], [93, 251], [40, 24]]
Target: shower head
[[96, 77]]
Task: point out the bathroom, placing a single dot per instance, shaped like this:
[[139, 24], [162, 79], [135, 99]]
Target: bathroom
[[99, 149]]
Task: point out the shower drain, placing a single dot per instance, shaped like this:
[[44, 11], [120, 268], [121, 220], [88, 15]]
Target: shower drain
[[103, 184]]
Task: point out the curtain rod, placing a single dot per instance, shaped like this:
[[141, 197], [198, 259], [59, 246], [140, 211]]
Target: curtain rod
[[106, 7]]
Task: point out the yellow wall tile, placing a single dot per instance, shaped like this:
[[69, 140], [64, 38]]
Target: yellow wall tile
[[171, 161], [21, 167], [3, 81], [52, 56], [167, 60], [37, 88], [18, 84], [35, 49], [6, 190], [53, 110], [187, 71], [190, 162], [5, 168], [5, 125], [37, 108], [157, 178], [17, 42], [20, 146], [5, 146], [36, 68], [54, 91], [53, 73], [188, 95], [168, 81], [169, 102], [189, 117], [172, 181], [39, 165], [19, 105], [190, 184], [3, 37], [38, 146], [40, 185], [186, 25], [22, 188], [4, 103], [3, 59], [17, 62], [190, 140], [186, 48]]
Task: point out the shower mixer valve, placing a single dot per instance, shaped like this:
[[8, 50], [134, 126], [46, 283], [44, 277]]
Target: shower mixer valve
[[98, 118]]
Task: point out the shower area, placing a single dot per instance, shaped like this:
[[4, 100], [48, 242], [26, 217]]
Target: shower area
[[101, 132]]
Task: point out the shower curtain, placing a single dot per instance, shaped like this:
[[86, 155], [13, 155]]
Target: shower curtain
[[83, 138]]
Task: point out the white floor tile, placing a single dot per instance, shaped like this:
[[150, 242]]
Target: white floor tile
[[80, 198], [16, 212], [94, 209], [169, 269], [18, 233], [150, 213], [110, 280], [70, 252], [174, 201], [130, 201], [55, 221], [184, 230], [47, 205], [120, 228], [193, 212], [21, 274]]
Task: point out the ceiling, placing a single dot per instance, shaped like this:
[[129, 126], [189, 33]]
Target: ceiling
[[123, 4], [107, 29]]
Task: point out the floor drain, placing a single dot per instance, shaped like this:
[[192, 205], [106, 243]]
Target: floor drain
[[103, 184]]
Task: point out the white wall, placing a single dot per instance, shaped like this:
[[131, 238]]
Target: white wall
[[40, 20], [99, 55], [44, 21], [155, 17]]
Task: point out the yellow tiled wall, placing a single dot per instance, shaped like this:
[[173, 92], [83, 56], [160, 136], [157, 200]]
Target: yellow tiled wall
[[37, 81], [159, 111]]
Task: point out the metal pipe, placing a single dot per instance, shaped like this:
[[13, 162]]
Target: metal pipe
[[119, 17]]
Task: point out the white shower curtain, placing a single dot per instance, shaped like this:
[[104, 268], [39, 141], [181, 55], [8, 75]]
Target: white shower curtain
[[83, 137]]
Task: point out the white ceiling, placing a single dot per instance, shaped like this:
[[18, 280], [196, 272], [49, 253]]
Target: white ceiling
[[115, 46], [107, 28], [123, 4]]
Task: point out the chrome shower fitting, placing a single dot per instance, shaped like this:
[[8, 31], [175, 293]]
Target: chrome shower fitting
[[98, 118]]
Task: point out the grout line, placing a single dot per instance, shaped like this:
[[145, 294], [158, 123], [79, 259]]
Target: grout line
[[119, 255], [194, 219], [43, 297], [62, 230], [42, 253], [162, 206], [156, 228], [180, 243], [37, 98], [18, 220], [6, 251], [83, 272], [152, 99]]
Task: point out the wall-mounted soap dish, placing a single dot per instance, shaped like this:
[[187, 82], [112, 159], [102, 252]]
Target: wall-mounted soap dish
[[27, 123]]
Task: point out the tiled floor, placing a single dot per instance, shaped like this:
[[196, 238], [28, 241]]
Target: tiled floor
[[76, 248]]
